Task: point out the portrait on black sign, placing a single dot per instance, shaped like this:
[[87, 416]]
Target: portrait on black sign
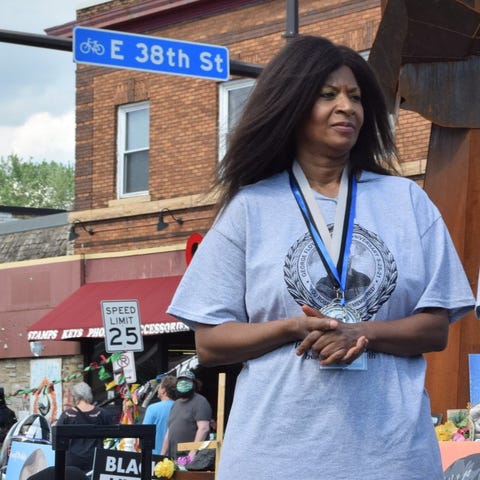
[[466, 468]]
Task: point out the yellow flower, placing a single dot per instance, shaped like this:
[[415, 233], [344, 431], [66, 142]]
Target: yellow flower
[[164, 469], [445, 432]]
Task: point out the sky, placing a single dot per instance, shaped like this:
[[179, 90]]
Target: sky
[[37, 85]]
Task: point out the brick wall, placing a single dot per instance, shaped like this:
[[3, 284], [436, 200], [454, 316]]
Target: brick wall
[[184, 115], [15, 375]]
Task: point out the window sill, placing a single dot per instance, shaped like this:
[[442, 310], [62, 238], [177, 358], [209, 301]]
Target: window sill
[[126, 201]]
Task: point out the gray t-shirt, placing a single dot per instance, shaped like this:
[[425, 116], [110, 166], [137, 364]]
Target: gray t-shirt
[[182, 421], [290, 418]]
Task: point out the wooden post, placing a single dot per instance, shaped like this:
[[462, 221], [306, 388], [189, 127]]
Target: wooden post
[[452, 180]]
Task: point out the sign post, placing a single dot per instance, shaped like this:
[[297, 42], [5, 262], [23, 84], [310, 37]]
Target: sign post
[[110, 48], [121, 320]]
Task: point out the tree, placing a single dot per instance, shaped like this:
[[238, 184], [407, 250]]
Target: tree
[[39, 185]]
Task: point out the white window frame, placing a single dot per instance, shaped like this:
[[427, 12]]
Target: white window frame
[[122, 112], [223, 97]]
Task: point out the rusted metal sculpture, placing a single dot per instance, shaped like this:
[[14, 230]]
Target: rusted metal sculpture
[[427, 57], [428, 54]]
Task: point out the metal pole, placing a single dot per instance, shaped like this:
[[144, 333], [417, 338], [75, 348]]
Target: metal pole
[[243, 69], [35, 40], [292, 20]]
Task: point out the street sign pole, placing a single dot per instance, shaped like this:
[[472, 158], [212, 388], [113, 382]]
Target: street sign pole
[[243, 69]]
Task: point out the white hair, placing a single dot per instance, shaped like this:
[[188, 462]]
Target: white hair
[[82, 391]]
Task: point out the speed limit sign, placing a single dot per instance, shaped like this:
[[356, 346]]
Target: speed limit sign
[[121, 320]]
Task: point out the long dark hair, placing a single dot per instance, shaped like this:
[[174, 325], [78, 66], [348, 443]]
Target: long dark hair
[[263, 142]]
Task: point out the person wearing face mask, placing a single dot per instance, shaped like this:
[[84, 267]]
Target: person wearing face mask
[[189, 419]]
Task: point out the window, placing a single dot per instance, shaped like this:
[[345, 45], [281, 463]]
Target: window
[[232, 98], [365, 54], [133, 149]]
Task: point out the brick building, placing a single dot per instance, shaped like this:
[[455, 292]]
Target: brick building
[[147, 144], [184, 124], [183, 142]]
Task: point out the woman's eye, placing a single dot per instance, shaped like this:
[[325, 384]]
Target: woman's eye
[[327, 95], [356, 98]]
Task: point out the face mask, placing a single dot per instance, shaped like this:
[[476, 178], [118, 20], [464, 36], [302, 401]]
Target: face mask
[[184, 386]]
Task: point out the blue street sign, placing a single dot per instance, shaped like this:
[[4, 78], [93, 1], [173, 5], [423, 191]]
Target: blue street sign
[[108, 48]]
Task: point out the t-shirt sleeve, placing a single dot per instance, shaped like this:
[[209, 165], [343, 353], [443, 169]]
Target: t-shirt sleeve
[[447, 285], [203, 410], [148, 417], [107, 419], [61, 419], [212, 290]]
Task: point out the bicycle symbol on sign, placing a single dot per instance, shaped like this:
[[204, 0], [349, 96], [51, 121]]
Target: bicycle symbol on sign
[[93, 46]]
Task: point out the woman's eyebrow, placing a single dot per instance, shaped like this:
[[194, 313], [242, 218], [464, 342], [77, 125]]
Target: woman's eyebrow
[[352, 88]]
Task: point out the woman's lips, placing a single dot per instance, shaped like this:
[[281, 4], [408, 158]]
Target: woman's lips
[[344, 127]]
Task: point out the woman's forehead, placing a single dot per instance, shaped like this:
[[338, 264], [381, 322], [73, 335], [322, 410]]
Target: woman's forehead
[[342, 76]]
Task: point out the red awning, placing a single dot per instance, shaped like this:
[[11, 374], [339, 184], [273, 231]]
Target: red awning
[[80, 315]]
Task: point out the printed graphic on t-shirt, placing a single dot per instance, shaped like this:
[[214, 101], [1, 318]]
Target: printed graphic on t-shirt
[[371, 278]]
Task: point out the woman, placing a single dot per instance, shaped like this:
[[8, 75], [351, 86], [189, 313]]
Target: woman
[[81, 451], [334, 278]]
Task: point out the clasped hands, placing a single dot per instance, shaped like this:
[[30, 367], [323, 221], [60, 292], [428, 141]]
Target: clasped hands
[[330, 340]]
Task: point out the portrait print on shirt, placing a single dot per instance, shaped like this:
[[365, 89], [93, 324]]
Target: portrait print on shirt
[[371, 278]]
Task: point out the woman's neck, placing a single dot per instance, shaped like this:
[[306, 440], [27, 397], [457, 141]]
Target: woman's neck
[[84, 406], [323, 175]]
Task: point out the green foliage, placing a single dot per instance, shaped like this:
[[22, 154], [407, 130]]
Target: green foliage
[[460, 419], [39, 185]]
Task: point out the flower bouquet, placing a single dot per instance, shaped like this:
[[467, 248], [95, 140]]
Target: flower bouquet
[[457, 428], [164, 469]]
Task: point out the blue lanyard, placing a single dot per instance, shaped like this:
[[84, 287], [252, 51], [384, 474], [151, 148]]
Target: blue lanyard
[[338, 273]]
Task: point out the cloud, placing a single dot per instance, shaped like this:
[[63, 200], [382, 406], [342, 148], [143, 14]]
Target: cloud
[[34, 80], [37, 85], [43, 136]]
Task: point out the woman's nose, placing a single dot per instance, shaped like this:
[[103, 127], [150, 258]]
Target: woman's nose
[[345, 104]]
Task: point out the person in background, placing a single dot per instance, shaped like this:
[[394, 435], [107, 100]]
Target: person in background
[[157, 413], [7, 417], [332, 384], [81, 451], [189, 419]]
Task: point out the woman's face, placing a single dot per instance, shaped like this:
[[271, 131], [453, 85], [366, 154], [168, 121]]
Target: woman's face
[[336, 118]]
